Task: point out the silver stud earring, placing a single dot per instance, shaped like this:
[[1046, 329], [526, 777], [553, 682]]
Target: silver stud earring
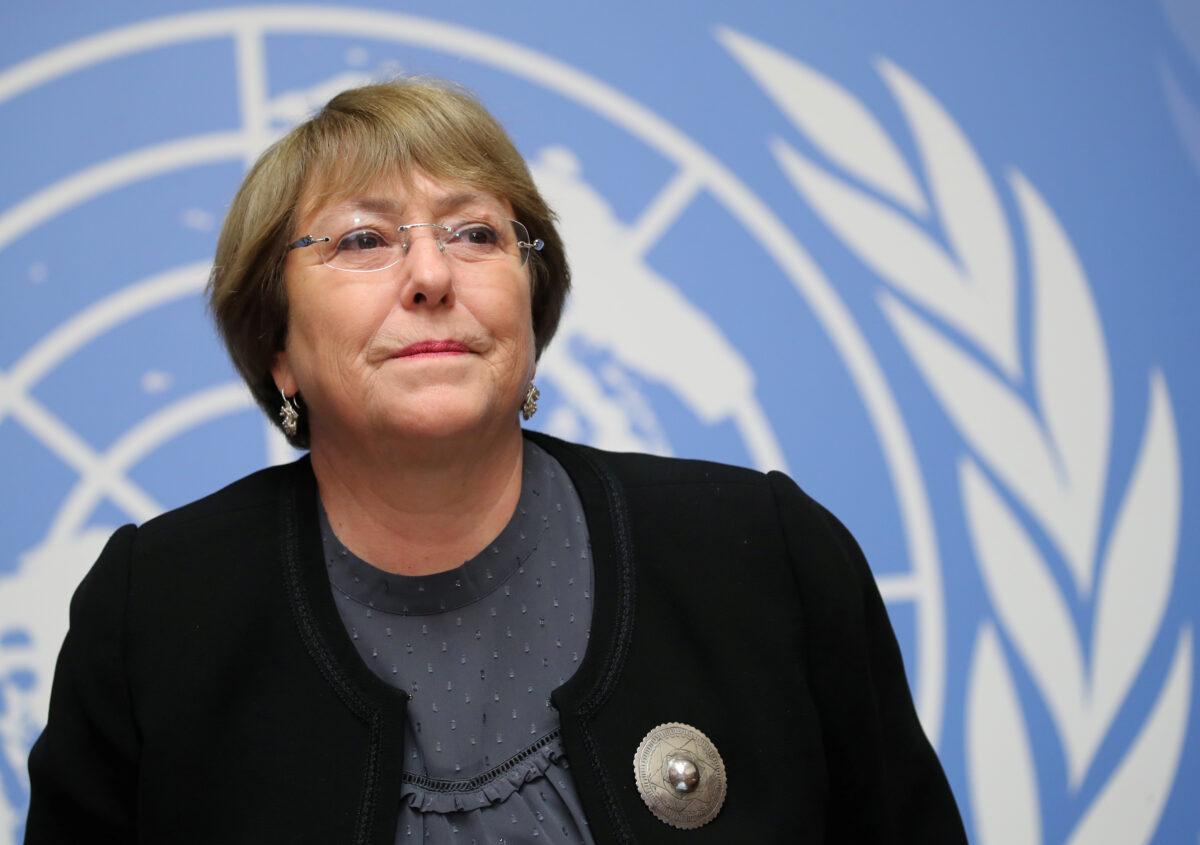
[[289, 415], [532, 394]]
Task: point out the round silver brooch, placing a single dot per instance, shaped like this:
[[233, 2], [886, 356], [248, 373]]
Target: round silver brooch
[[680, 775]]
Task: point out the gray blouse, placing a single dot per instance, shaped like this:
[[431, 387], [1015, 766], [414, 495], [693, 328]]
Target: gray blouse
[[479, 649]]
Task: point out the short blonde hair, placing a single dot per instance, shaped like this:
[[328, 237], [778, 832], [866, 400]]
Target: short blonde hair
[[362, 134]]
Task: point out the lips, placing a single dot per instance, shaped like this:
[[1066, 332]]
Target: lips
[[432, 347]]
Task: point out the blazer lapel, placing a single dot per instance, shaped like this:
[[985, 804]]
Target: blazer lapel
[[581, 698], [381, 707]]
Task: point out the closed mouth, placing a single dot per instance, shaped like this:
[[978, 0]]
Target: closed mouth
[[433, 347]]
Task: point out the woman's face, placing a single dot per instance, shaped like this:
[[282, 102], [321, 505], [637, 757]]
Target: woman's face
[[432, 347]]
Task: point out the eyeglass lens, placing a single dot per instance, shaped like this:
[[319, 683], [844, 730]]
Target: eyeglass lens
[[361, 242]]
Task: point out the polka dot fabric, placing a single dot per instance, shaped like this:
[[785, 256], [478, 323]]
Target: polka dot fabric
[[479, 649]]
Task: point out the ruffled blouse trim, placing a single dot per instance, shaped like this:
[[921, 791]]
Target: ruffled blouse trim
[[431, 795]]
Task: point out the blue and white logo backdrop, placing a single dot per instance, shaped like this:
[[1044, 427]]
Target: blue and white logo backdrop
[[938, 264]]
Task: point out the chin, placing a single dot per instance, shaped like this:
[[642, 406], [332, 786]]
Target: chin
[[442, 416]]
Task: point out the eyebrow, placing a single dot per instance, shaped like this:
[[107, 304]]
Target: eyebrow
[[450, 202], [386, 205]]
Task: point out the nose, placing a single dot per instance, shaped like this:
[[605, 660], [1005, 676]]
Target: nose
[[426, 272]]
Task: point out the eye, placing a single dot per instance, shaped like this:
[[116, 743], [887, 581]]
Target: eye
[[477, 235], [361, 241]]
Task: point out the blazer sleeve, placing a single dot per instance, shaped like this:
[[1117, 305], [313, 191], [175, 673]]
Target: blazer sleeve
[[885, 782], [83, 767]]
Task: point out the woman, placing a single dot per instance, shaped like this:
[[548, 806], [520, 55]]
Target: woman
[[437, 626]]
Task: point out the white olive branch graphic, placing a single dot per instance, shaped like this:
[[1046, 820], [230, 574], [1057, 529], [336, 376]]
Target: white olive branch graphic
[[1037, 431]]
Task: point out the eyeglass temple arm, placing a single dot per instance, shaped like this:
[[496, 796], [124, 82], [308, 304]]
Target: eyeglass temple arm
[[308, 240]]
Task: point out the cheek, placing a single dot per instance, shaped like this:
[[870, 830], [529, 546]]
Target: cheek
[[505, 313], [520, 320], [327, 332]]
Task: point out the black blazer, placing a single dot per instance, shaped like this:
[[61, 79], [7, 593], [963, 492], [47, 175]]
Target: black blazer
[[208, 693]]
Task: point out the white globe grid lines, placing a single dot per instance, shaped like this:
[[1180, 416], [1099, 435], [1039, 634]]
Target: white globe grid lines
[[698, 171]]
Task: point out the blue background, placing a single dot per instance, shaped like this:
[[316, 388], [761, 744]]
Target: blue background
[[1071, 95]]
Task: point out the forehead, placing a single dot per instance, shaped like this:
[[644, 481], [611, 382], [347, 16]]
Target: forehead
[[398, 195]]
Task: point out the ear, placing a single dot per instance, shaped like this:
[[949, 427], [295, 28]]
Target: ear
[[281, 372]]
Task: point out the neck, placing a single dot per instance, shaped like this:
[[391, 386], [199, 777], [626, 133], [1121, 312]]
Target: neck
[[418, 509]]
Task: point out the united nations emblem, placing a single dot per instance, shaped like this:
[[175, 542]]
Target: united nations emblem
[[1078, 542], [680, 775]]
